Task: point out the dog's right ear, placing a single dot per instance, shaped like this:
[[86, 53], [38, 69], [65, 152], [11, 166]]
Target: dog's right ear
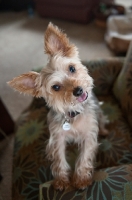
[[28, 83]]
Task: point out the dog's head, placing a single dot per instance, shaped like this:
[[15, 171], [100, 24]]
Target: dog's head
[[64, 82]]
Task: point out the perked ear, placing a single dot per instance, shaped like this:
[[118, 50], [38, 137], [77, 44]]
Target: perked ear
[[27, 83], [56, 42]]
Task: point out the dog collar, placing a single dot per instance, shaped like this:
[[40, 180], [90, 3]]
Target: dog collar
[[73, 114]]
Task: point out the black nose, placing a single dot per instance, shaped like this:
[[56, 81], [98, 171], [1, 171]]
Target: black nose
[[77, 91]]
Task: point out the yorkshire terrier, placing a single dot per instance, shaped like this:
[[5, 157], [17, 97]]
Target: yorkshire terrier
[[74, 113]]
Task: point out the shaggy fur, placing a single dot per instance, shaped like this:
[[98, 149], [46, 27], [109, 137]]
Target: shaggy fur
[[67, 88]]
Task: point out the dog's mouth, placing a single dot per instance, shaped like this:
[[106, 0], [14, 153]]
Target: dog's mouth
[[83, 97]]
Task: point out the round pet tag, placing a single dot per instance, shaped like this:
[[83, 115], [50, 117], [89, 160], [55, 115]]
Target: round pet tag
[[66, 126]]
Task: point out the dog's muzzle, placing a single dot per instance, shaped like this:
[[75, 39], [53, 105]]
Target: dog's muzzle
[[78, 92]]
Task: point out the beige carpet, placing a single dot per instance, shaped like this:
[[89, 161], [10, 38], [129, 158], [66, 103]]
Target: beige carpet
[[21, 49]]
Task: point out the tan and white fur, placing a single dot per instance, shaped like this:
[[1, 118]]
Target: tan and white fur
[[66, 86]]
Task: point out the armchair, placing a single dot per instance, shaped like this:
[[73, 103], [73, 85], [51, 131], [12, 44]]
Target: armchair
[[113, 174]]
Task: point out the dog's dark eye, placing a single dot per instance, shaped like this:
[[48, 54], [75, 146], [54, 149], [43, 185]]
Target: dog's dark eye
[[56, 87], [72, 69]]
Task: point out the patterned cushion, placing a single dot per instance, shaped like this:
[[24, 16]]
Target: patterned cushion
[[123, 86], [111, 183], [32, 169], [116, 148]]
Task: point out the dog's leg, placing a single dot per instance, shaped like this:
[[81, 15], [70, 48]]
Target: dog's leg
[[60, 167], [84, 166]]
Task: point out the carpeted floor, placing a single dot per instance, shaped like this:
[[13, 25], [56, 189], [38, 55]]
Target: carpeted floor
[[21, 50]]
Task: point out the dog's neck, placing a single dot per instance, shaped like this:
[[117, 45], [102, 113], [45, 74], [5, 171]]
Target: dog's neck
[[73, 113], [69, 119]]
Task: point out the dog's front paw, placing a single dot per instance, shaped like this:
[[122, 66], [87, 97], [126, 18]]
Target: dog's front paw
[[81, 182], [61, 184]]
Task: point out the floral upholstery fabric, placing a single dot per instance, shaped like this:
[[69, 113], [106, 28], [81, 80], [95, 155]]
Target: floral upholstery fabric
[[110, 183], [113, 174], [123, 86]]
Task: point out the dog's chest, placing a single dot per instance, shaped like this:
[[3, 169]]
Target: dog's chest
[[79, 127]]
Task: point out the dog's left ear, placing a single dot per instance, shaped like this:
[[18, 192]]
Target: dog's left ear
[[56, 42], [28, 83]]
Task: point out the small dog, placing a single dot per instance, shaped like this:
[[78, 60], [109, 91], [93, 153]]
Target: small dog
[[74, 113]]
